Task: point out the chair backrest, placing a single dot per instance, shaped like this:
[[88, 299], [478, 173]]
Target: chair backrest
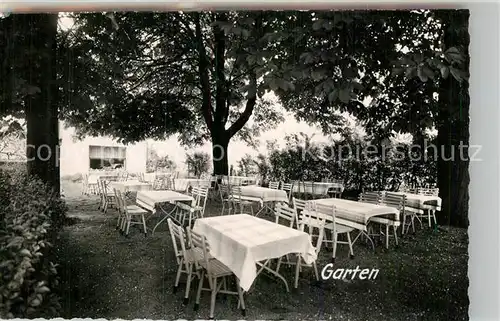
[[322, 213], [178, 240], [287, 186], [200, 195], [370, 197], [317, 213], [199, 241], [274, 185], [299, 204], [235, 192], [335, 191], [395, 200], [283, 211], [412, 190], [119, 204]]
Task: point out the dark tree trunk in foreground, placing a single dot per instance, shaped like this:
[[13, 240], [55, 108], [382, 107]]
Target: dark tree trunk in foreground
[[453, 129], [219, 154], [41, 107]]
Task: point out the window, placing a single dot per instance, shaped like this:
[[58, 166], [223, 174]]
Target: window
[[107, 157]]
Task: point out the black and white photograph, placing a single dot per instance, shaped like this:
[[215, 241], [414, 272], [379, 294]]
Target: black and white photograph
[[235, 164]]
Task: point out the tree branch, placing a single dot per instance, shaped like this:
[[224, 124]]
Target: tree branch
[[251, 100]]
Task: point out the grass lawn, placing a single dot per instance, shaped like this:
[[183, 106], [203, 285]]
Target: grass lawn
[[105, 275]]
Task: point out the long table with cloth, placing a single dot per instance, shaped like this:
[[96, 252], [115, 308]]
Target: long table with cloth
[[317, 188], [357, 214], [155, 200], [243, 243], [183, 184], [263, 195]]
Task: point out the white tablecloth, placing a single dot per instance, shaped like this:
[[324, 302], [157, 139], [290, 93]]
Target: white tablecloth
[[242, 180], [182, 184], [264, 194], [240, 241], [92, 178], [421, 201], [130, 186], [357, 212], [149, 199], [315, 188]]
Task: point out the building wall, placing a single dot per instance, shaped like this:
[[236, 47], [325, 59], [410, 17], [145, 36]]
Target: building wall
[[74, 155]]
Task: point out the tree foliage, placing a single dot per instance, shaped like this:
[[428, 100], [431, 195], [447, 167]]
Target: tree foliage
[[198, 163], [156, 163]]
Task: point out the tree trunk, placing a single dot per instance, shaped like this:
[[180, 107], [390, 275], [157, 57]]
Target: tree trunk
[[220, 145], [41, 108], [453, 129]]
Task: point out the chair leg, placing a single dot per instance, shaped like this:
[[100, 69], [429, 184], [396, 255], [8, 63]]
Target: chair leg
[[334, 244], [123, 226], [434, 217], [144, 225], [178, 275], [351, 251], [188, 284], [198, 292], [395, 234], [213, 297], [316, 274], [387, 236], [128, 225]]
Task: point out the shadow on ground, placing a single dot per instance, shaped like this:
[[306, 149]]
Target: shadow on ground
[[105, 275]]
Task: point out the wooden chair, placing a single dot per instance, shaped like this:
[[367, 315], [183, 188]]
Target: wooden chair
[[214, 271], [239, 201], [392, 200], [274, 185], [371, 197], [186, 257], [131, 212], [288, 188]]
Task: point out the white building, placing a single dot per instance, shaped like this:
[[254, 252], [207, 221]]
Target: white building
[[78, 157]]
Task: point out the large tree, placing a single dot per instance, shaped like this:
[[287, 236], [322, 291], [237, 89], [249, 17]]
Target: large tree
[[150, 75], [411, 64], [29, 88]]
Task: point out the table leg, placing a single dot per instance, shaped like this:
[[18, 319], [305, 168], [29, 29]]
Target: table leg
[[361, 232], [263, 266], [166, 216]]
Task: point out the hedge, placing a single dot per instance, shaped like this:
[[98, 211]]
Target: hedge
[[30, 218]]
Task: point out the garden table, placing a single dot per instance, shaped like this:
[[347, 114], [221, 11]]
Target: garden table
[[131, 186], [150, 200], [183, 184], [263, 195], [357, 214], [422, 202], [316, 188], [93, 178], [242, 180], [243, 242]]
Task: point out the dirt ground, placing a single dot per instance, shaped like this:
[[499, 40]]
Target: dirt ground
[[105, 275]]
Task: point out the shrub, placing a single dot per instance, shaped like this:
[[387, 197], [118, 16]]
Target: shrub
[[31, 217]]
